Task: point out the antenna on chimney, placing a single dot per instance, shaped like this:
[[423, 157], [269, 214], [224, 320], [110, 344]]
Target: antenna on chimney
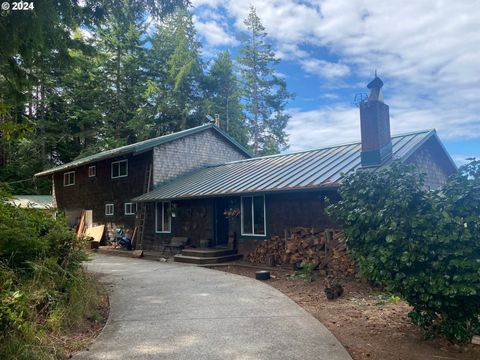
[[359, 98]]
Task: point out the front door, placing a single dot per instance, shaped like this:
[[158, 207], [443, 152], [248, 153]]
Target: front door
[[221, 222]]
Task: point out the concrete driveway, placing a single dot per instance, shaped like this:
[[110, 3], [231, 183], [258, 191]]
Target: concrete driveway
[[174, 311]]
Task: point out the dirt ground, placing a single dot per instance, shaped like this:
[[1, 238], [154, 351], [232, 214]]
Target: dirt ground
[[369, 323]]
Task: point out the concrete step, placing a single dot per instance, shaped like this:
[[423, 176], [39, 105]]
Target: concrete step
[[206, 260], [208, 252]]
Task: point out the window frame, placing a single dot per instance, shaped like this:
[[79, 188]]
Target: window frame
[[163, 219], [94, 168], [118, 162], [106, 209], [242, 233], [132, 206], [68, 173]]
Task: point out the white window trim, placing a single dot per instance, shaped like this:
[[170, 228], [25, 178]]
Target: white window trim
[[106, 209], [163, 214], [117, 162], [64, 177], [94, 168], [253, 224], [131, 207]]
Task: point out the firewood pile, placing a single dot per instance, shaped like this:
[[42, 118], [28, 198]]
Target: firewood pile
[[341, 262], [311, 245]]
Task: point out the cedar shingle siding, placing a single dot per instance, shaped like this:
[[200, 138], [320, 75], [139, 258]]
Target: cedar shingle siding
[[192, 152], [430, 160]]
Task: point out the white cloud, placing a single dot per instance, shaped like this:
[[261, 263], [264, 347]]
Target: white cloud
[[426, 50], [214, 33], [322, 127], [461, 159], [324, 68]]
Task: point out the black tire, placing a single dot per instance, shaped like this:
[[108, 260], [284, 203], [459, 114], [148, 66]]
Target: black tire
[[262, 275]]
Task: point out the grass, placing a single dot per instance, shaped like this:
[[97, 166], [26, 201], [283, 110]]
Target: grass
[[54, 321]]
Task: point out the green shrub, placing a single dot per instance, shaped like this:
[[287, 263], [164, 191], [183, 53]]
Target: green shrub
[[423, 245], [43, 288], [27, 235]]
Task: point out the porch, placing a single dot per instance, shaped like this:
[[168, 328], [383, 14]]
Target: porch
[[207, 256], [193, 230]]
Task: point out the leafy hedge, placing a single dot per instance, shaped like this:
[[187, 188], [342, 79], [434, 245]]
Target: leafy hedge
[[42, 285], [421, 244]]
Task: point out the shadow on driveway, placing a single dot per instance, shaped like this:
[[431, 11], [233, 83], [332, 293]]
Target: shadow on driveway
[[174, 311]]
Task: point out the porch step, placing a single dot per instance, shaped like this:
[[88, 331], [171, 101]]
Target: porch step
[[206, 260], [206, 253]]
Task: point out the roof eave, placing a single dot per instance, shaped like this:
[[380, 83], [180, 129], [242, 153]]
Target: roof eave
[[141, 148], [325, 187]]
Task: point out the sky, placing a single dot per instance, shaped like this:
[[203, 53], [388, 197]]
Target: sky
[[427, 52]]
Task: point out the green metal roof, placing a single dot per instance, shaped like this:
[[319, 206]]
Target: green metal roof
[[312, 169], [142, 146]]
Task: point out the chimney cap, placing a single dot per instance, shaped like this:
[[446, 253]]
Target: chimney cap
[[375, 87], [376, 83]]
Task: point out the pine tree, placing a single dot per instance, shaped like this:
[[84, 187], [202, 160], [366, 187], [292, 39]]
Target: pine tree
[[224, 98], [174, 94], [264, 93], [56, 92], [121, 43]]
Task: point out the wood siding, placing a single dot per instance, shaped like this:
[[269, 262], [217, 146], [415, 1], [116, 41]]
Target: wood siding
[[192, 152], [92, 193], [193, 220], [431, 160]]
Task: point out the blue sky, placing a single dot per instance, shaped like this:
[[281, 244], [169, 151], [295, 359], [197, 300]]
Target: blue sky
[[427, 52]]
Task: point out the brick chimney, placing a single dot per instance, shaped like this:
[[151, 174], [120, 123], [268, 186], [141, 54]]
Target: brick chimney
[[375, 126]]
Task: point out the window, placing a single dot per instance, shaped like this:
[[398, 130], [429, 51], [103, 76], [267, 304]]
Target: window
[[253, 215], [109, 209], [92, 171], [163, 217], [69, 178], [119, 169], [130, 208]]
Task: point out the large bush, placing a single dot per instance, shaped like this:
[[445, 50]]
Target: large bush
[[42, 285], [419, 243]]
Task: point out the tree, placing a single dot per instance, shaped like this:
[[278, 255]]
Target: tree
[[421, 244], [223, 95], [120, 41], [54, 84], [264, 93], [174, 94]]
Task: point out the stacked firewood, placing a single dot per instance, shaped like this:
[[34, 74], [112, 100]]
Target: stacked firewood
[[314, 246], [341, 262]]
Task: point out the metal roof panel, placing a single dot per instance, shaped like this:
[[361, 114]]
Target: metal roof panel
[[295, 171]]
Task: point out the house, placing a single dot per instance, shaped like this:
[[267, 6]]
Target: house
[[225, 198], [106, 183]]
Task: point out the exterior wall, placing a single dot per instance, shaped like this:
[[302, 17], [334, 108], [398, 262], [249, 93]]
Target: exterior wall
[[430, 160], [192, 152], [194, 219], [92, 193], [287, 211]]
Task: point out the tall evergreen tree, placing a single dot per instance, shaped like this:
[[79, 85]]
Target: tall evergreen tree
[[174, 93], [53, 88], [264, 93], [121, 43], [224, 97]]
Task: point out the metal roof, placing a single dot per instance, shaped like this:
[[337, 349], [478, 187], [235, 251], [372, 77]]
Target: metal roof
[[142, 146], [312, 169], [33, 201]]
